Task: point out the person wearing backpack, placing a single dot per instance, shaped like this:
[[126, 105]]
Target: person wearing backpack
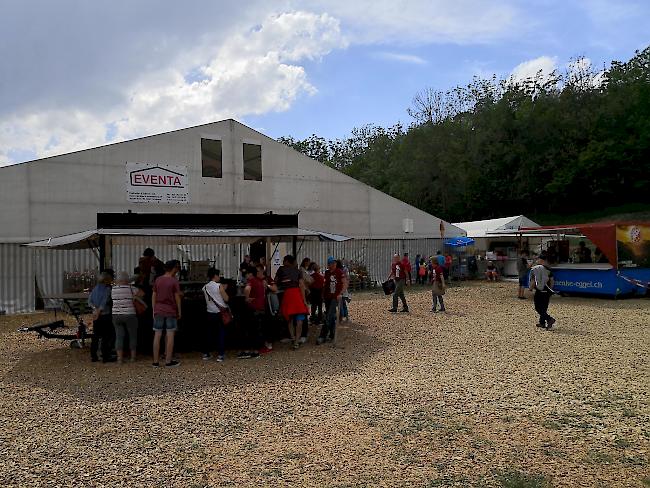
[[541, 281], [438, 288], [216, 300]]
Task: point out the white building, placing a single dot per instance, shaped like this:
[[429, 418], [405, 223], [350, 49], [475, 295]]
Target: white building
[[222, 167]]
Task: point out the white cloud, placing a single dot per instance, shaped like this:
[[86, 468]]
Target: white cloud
[[424, 21], [542, 67], [401, 58], [74, 81], [251, 73]]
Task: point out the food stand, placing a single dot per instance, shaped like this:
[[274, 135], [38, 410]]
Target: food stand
[[190, 230], [626, 250], [461, 268]]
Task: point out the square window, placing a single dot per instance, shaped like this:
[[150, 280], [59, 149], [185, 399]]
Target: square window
[[211, 158], [252, 162]]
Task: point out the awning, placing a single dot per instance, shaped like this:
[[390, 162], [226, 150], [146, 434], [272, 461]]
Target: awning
[[90, 238], [459, 242], [602, 234]]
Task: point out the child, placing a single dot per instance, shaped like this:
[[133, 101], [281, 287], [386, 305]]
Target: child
[[316, 294], [438, 287]]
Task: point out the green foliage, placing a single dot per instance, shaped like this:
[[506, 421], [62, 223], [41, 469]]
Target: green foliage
[[518, 479], [562, 144]]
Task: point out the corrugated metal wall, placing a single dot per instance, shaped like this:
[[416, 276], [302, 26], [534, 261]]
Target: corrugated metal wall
[[376, 254], [21, 268], [16, 279]]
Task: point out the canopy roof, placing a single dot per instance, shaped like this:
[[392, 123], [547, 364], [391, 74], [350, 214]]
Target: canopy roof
[[90, 238], [505, 226], [459, 242], [602, 234]]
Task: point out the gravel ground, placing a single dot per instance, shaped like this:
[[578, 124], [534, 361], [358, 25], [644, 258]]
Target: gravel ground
[[475, 397]]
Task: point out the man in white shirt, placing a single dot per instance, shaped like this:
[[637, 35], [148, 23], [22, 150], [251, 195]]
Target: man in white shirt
[[214, 328], [541, 281]]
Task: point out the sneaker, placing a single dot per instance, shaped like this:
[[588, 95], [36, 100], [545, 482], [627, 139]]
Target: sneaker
[[265, 350], [522, 298], [269, 346], [206, 357], [244, 355], [220, 359], [302, 340], [254, 355], [286, 340], [296, 345], [173, 364], [540, 325], [155, 365], [550, 324], [433, 310], [320, 340], [393, 310], [405, 310], [442, 310]]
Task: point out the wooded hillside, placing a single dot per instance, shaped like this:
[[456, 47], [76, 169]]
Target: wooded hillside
[[573, 142]]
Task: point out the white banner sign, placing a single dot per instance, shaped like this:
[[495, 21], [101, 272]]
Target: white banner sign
[[157, 183]]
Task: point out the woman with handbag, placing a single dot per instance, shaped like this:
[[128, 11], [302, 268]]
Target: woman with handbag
[[218, 315], [438, 287], [127, 299]]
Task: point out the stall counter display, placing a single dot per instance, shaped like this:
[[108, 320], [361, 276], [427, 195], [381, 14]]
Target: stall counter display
[[626, 245]]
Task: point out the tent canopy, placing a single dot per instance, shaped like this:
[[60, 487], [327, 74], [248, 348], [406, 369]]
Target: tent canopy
[[505, 226], [459, 242], [90, 238], [602, 234]]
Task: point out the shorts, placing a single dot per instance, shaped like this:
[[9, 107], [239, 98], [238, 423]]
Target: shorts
[[300, 316], [165, 323], [523, 281]]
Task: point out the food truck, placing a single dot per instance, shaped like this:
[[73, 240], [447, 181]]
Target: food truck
[[617, 266]]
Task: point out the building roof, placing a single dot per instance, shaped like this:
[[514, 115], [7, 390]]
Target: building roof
[[494, 227]]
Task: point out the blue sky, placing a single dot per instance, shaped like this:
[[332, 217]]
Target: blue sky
[[78, 74]]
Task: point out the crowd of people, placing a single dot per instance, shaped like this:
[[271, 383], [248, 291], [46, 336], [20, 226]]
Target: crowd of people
[[298, 295]]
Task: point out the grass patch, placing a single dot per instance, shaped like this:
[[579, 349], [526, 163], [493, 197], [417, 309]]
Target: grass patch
[[629, 413], [622, 443], [599, 457], [520, 479], [646, 481]]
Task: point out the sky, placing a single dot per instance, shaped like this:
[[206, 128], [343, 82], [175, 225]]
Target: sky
[[76, 74]]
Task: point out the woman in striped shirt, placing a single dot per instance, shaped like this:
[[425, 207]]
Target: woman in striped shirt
[[125, 319]]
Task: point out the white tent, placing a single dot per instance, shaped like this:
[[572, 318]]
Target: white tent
[[505, 226]]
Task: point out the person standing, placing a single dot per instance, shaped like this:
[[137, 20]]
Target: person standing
[[418, 278], [244, 267], [541, 281], [100, 301], [307, 280], [523, 270], [316, 294], [125, 320], [398, 275], [334, 285], [438, 288], [406, 266], [294, 302], [259, 337], [216, 299], [166, 301]]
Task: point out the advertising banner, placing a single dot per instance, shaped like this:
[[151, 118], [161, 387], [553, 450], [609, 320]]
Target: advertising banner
[[633, 245], [157, 183]]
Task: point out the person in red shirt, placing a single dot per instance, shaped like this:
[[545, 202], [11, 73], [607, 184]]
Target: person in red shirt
[[316, 294], [406, 266], [258, 337], [438, 287], [398, 275], [334, 283], [166, 301]]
